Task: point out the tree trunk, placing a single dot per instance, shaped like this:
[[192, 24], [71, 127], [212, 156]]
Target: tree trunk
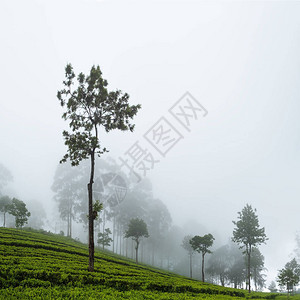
[[114, 230], [4, 219], [120, 237], [136, 251], [103, 229], [153, 255], [203, 267], [248, 253], [71, 223], [91, 216], [191, 272]]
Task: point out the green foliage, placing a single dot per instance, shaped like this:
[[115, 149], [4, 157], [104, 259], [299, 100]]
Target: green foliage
[[41, 265], [19, 211], [137, 229], [247, 231], [104, 238], [202, 243], [97, 207], [289, 276]]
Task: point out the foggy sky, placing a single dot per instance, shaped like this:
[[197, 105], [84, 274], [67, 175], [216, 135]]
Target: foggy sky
[[240, 60]]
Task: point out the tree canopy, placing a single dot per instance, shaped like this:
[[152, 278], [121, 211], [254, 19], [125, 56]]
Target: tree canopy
[[289, 276], [137, 229], [19, 211], [202, 244]]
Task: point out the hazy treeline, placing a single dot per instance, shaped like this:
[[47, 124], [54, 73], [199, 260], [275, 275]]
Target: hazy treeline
[[123, 199]]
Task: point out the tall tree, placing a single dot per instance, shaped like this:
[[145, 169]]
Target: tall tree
[[137, 229], [186, 245], [201, 245], [19, 211], [89, 107], [5, 203], [248, 234]]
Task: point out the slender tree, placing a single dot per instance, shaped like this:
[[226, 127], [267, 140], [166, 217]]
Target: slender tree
[[137, 229], [90, 106], [248, 234], [186, 245], [201, 245]]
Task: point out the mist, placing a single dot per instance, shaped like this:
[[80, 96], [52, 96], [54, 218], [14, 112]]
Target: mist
[[238, 60]]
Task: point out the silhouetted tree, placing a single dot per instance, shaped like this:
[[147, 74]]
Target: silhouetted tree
[[201, 245], [137, 229], [90, 106], [248, 234]]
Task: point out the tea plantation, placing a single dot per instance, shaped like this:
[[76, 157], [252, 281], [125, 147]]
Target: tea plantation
[[36, 265]]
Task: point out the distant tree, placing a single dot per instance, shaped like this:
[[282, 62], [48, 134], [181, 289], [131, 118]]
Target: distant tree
[[5, 177], [186, 245], [218, 264], [89, 106], [272, 287], [294, 266], [69, 186], [248, 234], [19, 211], [38, 214], [201, 245], [159, 221], [5, 203], [137, 229], [104, 238], [289, 275], [257, 267]]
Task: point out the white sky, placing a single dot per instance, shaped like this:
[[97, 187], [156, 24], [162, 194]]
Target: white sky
[[240, 60]]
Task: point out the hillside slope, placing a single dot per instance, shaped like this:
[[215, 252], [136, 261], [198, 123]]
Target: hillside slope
[[37, 265]]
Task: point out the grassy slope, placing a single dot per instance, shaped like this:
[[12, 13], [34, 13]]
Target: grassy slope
[[45, 266]]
